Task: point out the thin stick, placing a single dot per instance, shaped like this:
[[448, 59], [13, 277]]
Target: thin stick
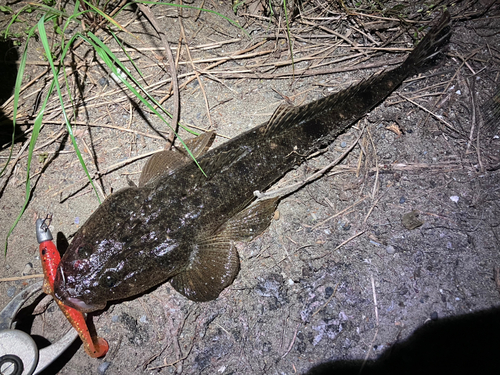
[[173, 71], [375, 184], [349, 239], [114, 127], [8, 101], [38, 275], [431, 113], [201, 47], [473, 119], [198, 78], [292, 342], [376, 322], [372, 207], [327, 302], [109, 169], [338, 213], [478, 145]]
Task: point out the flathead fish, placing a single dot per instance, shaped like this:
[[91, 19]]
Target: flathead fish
[[180, 225]]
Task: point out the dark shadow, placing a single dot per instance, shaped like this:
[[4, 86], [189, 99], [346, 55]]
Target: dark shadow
[[8, 68], [62, 243], [468, 344]]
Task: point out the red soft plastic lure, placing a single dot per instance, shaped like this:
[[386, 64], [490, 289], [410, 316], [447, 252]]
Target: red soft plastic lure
[[95, 347]]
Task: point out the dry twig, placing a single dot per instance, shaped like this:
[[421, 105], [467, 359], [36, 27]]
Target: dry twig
[[173, 71]]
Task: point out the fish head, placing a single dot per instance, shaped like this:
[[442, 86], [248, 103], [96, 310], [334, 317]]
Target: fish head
[[116, 254], [90, 273]]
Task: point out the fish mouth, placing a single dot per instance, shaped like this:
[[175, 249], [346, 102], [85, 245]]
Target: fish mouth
[[65, 294], [80, 305]]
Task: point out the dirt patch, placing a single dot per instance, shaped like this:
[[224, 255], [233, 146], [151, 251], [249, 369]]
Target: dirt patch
[[307, 288]]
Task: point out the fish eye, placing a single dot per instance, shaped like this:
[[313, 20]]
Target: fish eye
[[83, 252], [108, 281]]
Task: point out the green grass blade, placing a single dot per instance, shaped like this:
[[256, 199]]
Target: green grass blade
[[37, 125], [17, 89], [108, 18], [126, 53], [116, 62], [55, 73], [111, 61]]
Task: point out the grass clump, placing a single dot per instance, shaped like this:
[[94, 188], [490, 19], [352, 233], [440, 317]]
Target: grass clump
[[46, 18]]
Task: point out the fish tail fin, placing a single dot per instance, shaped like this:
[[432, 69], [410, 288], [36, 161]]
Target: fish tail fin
[[431, 44]]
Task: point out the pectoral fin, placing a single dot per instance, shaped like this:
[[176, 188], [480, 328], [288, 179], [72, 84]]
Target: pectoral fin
[[214, 262], [214, 265], [168, 161], [250, 222]]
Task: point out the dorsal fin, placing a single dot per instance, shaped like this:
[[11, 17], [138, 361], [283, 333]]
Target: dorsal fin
[[167, 161], [280, 117], [219, 161]]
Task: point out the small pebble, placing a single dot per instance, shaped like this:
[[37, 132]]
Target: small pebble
[[118, 77], [103, 367], [454, 198], [434, 316], [103, 81], [343, 144], [402, 200], [27, 269], [328, 291], [115, 318], [77, 220], [143, 319], [390, 249], [11, 292]]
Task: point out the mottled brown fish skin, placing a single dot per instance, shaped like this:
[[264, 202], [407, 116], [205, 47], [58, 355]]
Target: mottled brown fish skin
[[180, 225]]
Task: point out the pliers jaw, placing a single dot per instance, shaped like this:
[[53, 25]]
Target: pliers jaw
[[18, 351]]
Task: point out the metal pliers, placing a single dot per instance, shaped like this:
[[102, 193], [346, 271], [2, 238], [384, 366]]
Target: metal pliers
[[19, 354]]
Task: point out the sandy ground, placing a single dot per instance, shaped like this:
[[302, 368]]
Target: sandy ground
[[341, 275]]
